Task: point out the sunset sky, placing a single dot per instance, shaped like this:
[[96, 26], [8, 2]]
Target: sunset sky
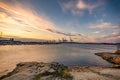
[[82, 20]]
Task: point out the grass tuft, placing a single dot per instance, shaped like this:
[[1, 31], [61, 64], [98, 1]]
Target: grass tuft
[[37, 77]]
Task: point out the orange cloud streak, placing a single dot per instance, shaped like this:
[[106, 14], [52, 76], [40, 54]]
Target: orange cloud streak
[[15, 20]]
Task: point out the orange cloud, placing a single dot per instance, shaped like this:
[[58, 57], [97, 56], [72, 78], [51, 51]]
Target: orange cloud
[[15, 20], [113, 37], [24, 22], [103, 25]]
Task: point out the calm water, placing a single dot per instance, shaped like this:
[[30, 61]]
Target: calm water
[[68, 54]]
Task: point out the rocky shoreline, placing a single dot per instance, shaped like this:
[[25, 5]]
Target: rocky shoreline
[[113, 58], [56, 71]]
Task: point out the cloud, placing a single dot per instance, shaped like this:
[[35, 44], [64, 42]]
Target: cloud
[[14, 18], [19, 15], [84, 6], [60, 32], [96, 32], [103, 25], [113, 34], [112, 29], [78, 7], [25, 22], [77, 36], [113, 37]]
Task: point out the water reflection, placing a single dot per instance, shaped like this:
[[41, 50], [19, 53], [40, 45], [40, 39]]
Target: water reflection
[[70, 54]]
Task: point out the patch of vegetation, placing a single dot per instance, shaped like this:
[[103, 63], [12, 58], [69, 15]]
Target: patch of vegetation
[[37, 77], [65, 74], [47, 73], [61, 74]]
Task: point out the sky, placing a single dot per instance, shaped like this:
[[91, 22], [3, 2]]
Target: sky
[[82, 20]]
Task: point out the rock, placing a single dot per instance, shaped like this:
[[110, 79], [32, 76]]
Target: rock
[[117, 52], [38, 71], [95, 73], [110, 57], [56, 71], [104, 55], [115, 59]]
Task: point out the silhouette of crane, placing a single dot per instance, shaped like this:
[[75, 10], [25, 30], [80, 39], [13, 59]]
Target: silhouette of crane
[[71, 39]]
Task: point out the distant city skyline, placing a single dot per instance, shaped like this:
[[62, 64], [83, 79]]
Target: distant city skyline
[[80, 20]]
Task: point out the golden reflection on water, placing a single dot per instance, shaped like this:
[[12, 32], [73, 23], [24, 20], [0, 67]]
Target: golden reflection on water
[[11, 55]]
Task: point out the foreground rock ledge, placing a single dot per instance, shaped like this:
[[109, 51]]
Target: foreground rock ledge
[[56, 71]]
